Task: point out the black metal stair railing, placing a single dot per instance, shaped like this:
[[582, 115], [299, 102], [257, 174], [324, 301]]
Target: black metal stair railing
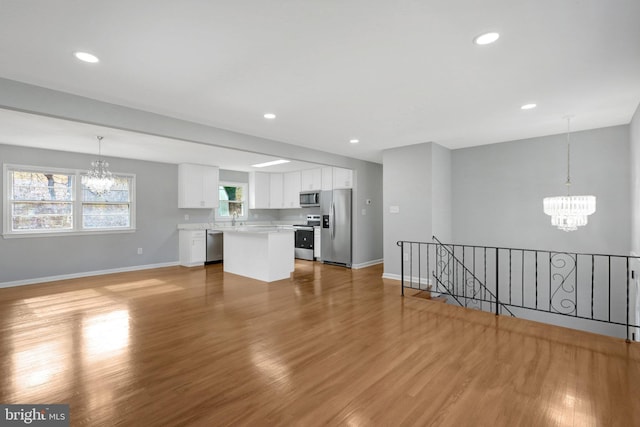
[[474, 292], [595, 292]]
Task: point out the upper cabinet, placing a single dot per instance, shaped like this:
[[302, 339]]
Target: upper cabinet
[[276, 191], [327, 178], [259, 190], [270, 190], [197, 186], [311, 179], [342, 178], [291, 189], [335, 178]]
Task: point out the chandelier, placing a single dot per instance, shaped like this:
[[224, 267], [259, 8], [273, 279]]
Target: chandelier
[[99, 180], [569, 212]]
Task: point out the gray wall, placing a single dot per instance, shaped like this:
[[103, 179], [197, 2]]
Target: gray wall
[[417, 179], [156, 220], [634, 137], [498, 191], [441, 189], [38, 100], [368, 219], [407, 184]]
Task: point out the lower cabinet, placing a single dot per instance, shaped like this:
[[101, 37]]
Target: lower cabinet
[[193, 247]]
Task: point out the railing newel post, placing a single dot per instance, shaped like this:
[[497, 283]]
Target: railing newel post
[[628, 340], [402, 266], [497, 284]]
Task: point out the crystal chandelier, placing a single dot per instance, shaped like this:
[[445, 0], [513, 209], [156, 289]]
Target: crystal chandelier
[[569, 212], [99, 180]]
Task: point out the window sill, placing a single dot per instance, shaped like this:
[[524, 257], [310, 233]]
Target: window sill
[[66, 233]]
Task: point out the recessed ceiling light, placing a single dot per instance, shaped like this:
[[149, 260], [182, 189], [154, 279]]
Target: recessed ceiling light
[[486, 38], [269, 116], [354, 141], [86, 57], [273, 163], [528, 107]]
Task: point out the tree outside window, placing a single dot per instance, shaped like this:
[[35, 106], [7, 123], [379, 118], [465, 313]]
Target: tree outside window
[[232, 197]]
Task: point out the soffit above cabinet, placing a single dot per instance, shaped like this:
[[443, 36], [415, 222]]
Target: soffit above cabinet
[[31, 130]]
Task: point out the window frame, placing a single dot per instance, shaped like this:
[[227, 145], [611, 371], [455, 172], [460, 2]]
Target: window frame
[[245, 200], [76, 201]]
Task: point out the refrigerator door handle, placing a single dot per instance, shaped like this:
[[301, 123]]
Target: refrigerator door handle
[[333, 221]]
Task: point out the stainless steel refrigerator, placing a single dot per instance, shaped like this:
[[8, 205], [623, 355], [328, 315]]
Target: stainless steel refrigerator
[[335, 237]]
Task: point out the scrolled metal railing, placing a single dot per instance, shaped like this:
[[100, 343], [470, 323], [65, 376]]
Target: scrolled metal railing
[[595, 292]]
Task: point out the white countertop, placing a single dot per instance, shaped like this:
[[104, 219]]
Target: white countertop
[[257, 229], [244, 228]]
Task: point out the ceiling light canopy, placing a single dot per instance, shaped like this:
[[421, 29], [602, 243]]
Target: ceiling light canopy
[[86, 57], [486, 38], [269, 116], [528, 106], [272, 163]]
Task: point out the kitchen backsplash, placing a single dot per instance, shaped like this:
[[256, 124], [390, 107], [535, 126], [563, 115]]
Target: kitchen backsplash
[[200, 216]]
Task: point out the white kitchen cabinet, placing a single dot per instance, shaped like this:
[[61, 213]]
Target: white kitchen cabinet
[[197, 186], [335, 178], [193, 247], [259, 190], [342, 178], [291, 189], [276, 191], [327, 178], [316, 242], [311, 179]]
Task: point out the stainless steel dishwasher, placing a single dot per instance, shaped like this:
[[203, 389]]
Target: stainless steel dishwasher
[[215, 246]]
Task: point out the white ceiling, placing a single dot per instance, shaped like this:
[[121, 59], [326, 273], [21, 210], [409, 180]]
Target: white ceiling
[[390, 73]]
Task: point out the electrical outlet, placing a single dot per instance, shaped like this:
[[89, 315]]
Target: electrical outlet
[[406, 257], [364, 211], [139, 251], [186, 217]]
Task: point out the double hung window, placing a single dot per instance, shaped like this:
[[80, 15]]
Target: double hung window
[[49, 201]]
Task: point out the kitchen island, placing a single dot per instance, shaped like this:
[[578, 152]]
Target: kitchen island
[[261, 252]]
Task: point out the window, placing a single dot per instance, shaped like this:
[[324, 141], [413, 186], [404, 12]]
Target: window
[[47, 201], [111, 210], [233, 201]]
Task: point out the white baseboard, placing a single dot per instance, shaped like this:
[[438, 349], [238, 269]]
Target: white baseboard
[[85, 274], [367, 264], [421, 280], [391, 276]]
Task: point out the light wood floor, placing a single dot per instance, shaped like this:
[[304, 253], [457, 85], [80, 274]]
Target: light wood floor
[[179, 346]]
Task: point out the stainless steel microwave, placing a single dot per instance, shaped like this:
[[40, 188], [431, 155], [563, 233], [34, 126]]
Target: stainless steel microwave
[[309, 199]]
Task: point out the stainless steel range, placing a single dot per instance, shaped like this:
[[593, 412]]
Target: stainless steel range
[[304, 243]]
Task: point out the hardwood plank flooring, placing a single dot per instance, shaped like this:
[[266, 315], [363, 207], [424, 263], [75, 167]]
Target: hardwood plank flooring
[[330, 346]]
